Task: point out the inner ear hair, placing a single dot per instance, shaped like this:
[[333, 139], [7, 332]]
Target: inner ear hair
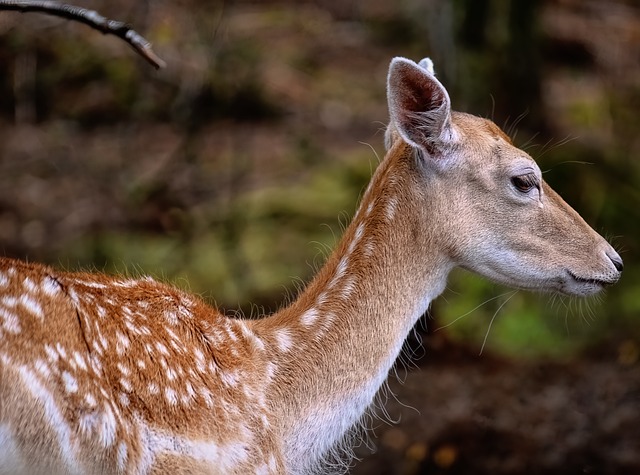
[[419, 105]]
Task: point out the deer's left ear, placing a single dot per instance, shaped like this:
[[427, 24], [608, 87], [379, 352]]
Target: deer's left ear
[[419, 106]]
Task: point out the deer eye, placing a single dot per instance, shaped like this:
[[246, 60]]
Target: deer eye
[[525, 183]]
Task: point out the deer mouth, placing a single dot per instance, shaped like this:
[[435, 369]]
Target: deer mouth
[[589, 284]]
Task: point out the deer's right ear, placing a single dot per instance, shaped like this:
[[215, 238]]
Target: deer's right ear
[[419, 106]]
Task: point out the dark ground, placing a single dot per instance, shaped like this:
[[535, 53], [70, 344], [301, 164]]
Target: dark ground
[[461, 413]]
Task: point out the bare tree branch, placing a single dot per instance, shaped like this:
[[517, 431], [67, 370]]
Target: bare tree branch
[[90, 18]]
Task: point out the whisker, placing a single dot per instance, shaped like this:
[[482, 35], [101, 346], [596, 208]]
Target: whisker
[[511, 130], [493, 318], [472, 310], [493, 106], [372, 149], [579, 162], [547, 147], [529, 143]]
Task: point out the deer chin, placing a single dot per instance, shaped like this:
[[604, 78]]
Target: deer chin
[[583, 286]]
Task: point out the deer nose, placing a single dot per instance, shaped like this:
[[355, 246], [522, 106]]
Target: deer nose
[[616, 259]]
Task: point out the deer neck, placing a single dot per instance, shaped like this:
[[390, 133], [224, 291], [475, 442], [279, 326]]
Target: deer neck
[[335, 344]]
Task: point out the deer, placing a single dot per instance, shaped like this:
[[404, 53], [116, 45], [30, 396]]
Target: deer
[[107, 374]]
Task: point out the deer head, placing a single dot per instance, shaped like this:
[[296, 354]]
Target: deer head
[[497, 216]]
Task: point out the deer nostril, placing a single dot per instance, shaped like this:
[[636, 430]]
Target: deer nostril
[[617, 261]]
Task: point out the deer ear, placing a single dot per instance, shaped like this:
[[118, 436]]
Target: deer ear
[[419, 106]]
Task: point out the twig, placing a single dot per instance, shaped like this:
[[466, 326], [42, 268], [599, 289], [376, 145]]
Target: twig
[[90, 18]]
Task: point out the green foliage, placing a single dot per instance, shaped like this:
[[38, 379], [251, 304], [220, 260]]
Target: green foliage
[[231, 171], [517, 324]]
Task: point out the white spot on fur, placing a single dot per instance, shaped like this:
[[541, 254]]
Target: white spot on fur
[[230, 334], [29, 285], [9, 301], [104, 342], [273, 464], [171, 317], [51, 353], [124, 369], [10, 321], [357, 235], [391, 208], [126, 384], [189, 389], [122, 456], [50, 286], [108, 428], [101, 311], [79, 359], [199, 359], [93, 285], [265, 421], [122, 343], [326, 323], [229, 378], [341, 270], [348, 288], [124, 399], [96, 366], [258, 343], [249, 335], [61, 351], [270, 371], [125, 283], [90, 400], [96, 347], [171, 396], [369, 208], [73, 296], [131, 327], [42, 367], [309, 317], [153, 388], [32, 306], [70, 383], [183, 310], [162, 349], [283, 340], [206, 395], [185, 399], [322, 298], [4, 280]]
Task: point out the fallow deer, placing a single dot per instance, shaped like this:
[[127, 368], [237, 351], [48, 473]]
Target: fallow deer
[[112, 375]]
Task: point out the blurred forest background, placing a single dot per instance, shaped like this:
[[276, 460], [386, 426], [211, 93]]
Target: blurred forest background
[[233, 170]]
